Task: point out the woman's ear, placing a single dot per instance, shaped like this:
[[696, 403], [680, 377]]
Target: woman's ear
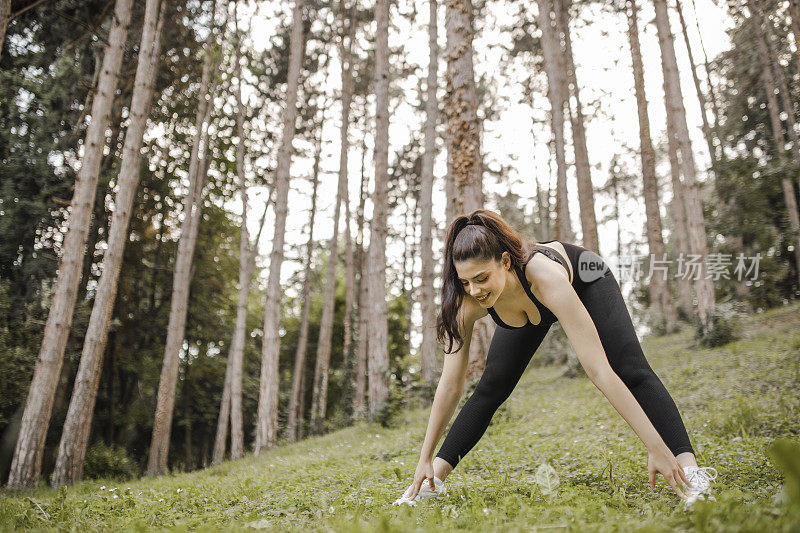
[[505, 260]]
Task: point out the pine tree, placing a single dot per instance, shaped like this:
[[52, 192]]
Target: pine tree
[[704, 288], [27, 461], [192, 207], [75, 436], [267, 417], [428, 347], [376, 262]]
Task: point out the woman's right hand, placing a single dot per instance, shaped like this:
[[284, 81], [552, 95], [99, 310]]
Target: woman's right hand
[[423, 474]]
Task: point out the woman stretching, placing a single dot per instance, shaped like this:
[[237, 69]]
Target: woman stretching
[[488, 269]]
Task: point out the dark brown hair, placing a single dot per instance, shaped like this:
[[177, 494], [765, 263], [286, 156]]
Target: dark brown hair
[[482, 235]]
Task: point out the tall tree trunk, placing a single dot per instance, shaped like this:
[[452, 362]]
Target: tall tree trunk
[[231, 401], [704, 288], [660, 295], [350, 294], [295, 412], [712, 96], [27, 461], [794, 10], [350, 316], [780, 78], [267, 422], [5, 13], [192, 207], [360, 378], [768, 79], [463, 144], [187, 418], [377, 317], [429, 366], [680, 234], [554, 69], [75, 436], [320, 391], [712, 153], [582, 168]]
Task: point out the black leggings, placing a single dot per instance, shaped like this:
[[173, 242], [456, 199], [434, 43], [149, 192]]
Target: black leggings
[[512, 349]]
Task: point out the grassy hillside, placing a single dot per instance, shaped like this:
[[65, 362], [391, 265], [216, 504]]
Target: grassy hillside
[[736, 400]]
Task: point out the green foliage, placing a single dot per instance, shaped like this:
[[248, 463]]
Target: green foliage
[[786, 454], [109, 462], [725, 326], [389, 414]]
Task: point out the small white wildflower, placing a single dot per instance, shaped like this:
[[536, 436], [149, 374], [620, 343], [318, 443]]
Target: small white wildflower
[[112, 490], [115, 496], [179, 491], [331, 509], [102, 487], [161, 499], [486, 511]]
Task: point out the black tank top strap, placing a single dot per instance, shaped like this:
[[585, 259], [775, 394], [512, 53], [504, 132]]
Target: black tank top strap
[[552, 254]]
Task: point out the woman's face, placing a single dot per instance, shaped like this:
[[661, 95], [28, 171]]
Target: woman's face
[[484, 280]]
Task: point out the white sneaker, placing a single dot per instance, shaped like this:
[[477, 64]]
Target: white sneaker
[[424, 492], [701, 479]]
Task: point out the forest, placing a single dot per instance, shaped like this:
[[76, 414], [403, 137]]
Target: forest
[[222, 221]]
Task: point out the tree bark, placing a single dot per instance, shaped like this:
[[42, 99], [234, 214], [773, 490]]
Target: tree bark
[[231, 401], [192, 207], [267, 422], [704, 288], [320, 390], [27, 461], [465, 193], [582, 167], [780, 78], [360, 378], [712, 153], [429, 366], [5, 13], [350, 294], [378, 328], [75, 436], [554, 69], [660, 295], [794, 10], [768, 78], [295, 414]]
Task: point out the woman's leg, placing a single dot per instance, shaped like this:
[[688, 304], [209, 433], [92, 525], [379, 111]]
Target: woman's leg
[[509, 354], [603, 300]]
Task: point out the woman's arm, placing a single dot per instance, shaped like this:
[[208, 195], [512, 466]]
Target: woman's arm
[[550, 282], [451, 385]]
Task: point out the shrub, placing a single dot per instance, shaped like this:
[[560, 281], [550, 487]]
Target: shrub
[[725, 326], [388, 415], [104, 461]]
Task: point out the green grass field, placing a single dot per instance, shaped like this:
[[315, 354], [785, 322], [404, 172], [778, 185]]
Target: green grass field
[[736, 400]]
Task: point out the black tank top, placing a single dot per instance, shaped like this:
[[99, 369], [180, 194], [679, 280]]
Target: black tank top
[[573, 253]]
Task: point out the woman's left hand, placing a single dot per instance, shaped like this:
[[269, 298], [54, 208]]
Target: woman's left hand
[[662, 460]]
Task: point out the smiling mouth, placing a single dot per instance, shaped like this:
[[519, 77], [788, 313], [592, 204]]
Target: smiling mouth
[[484, 298]]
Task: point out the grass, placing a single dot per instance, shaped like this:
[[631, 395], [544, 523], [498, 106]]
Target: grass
[[735, 399]]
